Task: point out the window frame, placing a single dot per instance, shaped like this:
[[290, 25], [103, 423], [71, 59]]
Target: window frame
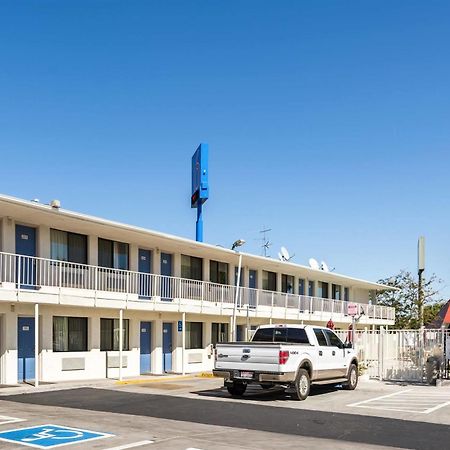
[[192, 271], [126, 334], [271, 276], [329, 333], [190, 345], [69, 249], [320, 331], [287, 283], [67, 338]]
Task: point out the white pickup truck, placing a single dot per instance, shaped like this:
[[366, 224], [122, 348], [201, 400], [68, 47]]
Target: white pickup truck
[[292, 356]]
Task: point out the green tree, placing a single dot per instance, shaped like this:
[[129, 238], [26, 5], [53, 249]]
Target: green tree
[[405, 298]]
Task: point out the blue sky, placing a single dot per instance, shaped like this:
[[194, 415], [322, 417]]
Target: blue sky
[[327, 121]]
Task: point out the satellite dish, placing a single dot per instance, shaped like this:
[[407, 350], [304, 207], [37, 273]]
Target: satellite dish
[[280, 256], [324, 266], [313, 264], [285, 254]]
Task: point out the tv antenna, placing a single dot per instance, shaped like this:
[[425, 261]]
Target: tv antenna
[[314, 264], [265, 241]]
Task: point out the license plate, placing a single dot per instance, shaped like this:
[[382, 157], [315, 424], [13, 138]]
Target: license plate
[[246, 374]]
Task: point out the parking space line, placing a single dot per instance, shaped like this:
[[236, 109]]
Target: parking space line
[[409, 400], [379, 398], [6, 419], [132, 445], [428, 411]]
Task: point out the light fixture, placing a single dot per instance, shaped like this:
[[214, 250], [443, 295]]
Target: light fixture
[[238, 243]]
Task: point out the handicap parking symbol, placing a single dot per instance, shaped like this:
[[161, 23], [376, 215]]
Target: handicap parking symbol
[[50, 436]]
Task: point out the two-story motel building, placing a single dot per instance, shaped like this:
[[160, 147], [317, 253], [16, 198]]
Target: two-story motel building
[[67, 278]]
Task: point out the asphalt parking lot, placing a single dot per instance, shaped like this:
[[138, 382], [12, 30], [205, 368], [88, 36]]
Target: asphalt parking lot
[[198, 413]]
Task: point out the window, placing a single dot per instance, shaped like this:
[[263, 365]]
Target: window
[[323, 289], [346, 294], [69, 334], [65, 246], [269, 281], [336, 292], [311, 291], [321, 339], [218, 272], [191, 267], [194, 335], [109, 334], [287, 284], [334, 341], [281, 334], [219, 333], [263, 335], [112, 254], [301, 286]]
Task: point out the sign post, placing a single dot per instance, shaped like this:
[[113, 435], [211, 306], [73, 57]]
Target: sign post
[[352, 310], [420, 270], [200, 187]]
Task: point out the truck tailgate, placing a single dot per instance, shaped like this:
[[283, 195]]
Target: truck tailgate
[[254, 357]]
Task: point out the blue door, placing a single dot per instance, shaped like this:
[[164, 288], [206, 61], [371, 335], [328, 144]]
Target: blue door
[[25, 349], [146, 347], [167, 284], [167, 347], [26, 246], [144, 267], [166, 264]]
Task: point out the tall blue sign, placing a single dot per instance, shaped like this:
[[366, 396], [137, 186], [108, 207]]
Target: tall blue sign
[[200, 187]]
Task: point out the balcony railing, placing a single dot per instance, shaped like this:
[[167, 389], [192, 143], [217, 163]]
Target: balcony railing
[[27, 272]]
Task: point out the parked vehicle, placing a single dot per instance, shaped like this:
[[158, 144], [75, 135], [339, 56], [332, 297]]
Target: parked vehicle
[[291, 356]]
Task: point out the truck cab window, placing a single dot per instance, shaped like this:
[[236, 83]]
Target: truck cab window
[[333, 339], [321, 339]]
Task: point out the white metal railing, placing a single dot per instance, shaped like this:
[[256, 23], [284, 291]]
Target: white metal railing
[[27, 272]]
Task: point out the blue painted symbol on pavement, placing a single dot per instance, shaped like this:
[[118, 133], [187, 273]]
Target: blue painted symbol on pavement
[[50, 436]]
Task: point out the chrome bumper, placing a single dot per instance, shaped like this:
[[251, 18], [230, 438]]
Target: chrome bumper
[[259, 377]]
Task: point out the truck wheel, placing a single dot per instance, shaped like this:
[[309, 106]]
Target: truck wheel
[[236, 389], [302, 384], [352, 379]]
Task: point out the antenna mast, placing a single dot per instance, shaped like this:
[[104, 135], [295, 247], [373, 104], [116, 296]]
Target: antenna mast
[[265, 241]]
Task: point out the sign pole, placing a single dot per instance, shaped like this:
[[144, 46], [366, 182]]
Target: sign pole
[[238, 282], [420, 270], [199, 224]]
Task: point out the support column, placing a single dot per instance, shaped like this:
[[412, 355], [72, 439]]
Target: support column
[[37, 366], [120, 343], [93, 250], [43, 241], [176, 265], [157, 353], [7, 238], [295, 287], [206, 269], [278, 281], [259, 279], [133, 258], [183, 344], [156, 261], [9, 340]]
